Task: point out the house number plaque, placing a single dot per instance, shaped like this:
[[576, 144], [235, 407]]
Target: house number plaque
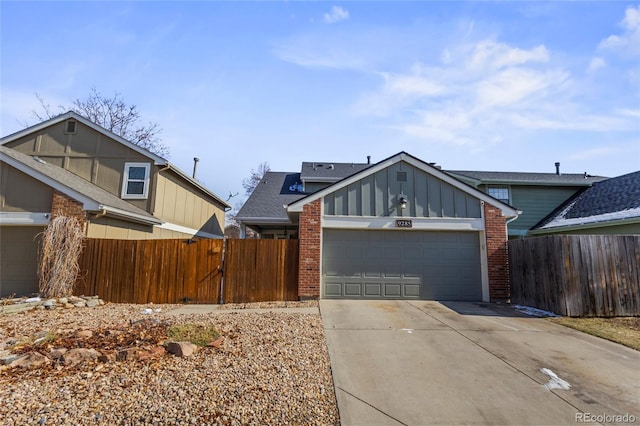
[[404, 223]]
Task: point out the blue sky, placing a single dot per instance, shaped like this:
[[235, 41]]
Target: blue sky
[[512, 86]]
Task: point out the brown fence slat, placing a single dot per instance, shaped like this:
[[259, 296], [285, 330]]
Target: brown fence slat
[[577, 275], [178, 271]]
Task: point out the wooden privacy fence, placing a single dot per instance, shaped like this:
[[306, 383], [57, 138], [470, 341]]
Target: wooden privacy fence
[[189, 271], [577, 275]]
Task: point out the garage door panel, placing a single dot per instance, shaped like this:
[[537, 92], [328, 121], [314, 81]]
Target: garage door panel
[[373, 289], [401, 265]]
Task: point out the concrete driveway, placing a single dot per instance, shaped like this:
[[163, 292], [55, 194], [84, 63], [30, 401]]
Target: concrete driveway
[[452, 363]]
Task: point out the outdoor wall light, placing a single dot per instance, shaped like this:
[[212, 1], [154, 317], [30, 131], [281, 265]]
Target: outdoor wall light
[[402, 202]]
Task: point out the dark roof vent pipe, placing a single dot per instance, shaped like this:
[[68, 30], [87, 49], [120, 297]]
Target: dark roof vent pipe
[[558, 169], [368, 159], [195, 166]]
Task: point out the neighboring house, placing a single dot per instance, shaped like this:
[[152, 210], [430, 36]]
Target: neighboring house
[[608, 207], [71, 166], [397, 229], [536, 195]]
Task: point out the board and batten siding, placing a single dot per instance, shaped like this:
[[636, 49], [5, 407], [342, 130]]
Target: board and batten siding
[[378, 194], [179, 204], [86, 153], [22, 193]]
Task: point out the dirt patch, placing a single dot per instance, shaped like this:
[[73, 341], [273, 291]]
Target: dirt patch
[[623, 330]]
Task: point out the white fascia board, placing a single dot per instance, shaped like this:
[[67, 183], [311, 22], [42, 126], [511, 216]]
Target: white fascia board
[[132, 217], [187, 230], [389, 223], [582, 226], [72, 115], [25, 218], [87, 203], [507, 210]]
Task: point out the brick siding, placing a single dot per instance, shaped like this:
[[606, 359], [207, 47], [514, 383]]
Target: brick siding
[[310, 237], [62, 205], [497, 254]]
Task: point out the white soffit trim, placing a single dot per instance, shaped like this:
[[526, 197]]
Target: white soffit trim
[[507, 210], [389, 223], [187, 230], [24, 218]]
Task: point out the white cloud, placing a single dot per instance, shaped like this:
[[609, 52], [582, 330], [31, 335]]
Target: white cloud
[[493, 55], [627, 43], [487, 91], [596, 63], [336, 14]]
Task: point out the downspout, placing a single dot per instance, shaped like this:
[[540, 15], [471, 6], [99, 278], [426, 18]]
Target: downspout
[[100, 214]]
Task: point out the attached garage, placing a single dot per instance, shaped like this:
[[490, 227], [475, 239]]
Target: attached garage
[[402, 229], [388, 264]]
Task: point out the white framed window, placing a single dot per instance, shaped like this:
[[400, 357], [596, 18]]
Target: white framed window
[[499, 192], [135, 184]]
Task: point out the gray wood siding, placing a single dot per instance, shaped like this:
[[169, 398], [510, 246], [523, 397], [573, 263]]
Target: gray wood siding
[[86, 153], [22, 193], [378, 194]]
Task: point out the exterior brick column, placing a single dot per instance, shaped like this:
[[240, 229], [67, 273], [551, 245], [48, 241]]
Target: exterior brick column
[[310, 231], [62, 205], [497, 253]]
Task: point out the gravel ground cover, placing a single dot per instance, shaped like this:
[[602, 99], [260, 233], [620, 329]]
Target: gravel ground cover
[[270, 368]]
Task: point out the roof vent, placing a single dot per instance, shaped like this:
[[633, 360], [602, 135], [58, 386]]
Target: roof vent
[[331, 166], [558, 168]]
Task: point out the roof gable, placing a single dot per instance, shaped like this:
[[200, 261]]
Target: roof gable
[[507, 210]]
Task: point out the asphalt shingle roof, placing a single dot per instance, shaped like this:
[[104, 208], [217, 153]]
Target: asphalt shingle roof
[[268, 198], [329, 170], [613, 199], [76, 183], [530, 178]]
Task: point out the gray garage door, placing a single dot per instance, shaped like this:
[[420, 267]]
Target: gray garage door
[[19, 260], [401, 265]]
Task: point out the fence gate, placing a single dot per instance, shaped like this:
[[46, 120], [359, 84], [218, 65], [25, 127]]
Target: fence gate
[[189, 271]]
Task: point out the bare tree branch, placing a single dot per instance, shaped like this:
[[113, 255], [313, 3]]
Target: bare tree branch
[[114, 114], [250, 183]]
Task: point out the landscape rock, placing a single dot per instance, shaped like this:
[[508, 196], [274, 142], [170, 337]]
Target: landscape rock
[[181, 349], [79, 355], [7, 357], [127, 354], [80, 304], [217, 343], [84, 334], [152, 352], [63, 300], [92, 303], [31, 360], [68, 306], [57, 353]]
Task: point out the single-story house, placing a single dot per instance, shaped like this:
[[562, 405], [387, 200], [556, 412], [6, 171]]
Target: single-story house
[[70, 166], [610, 207]]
